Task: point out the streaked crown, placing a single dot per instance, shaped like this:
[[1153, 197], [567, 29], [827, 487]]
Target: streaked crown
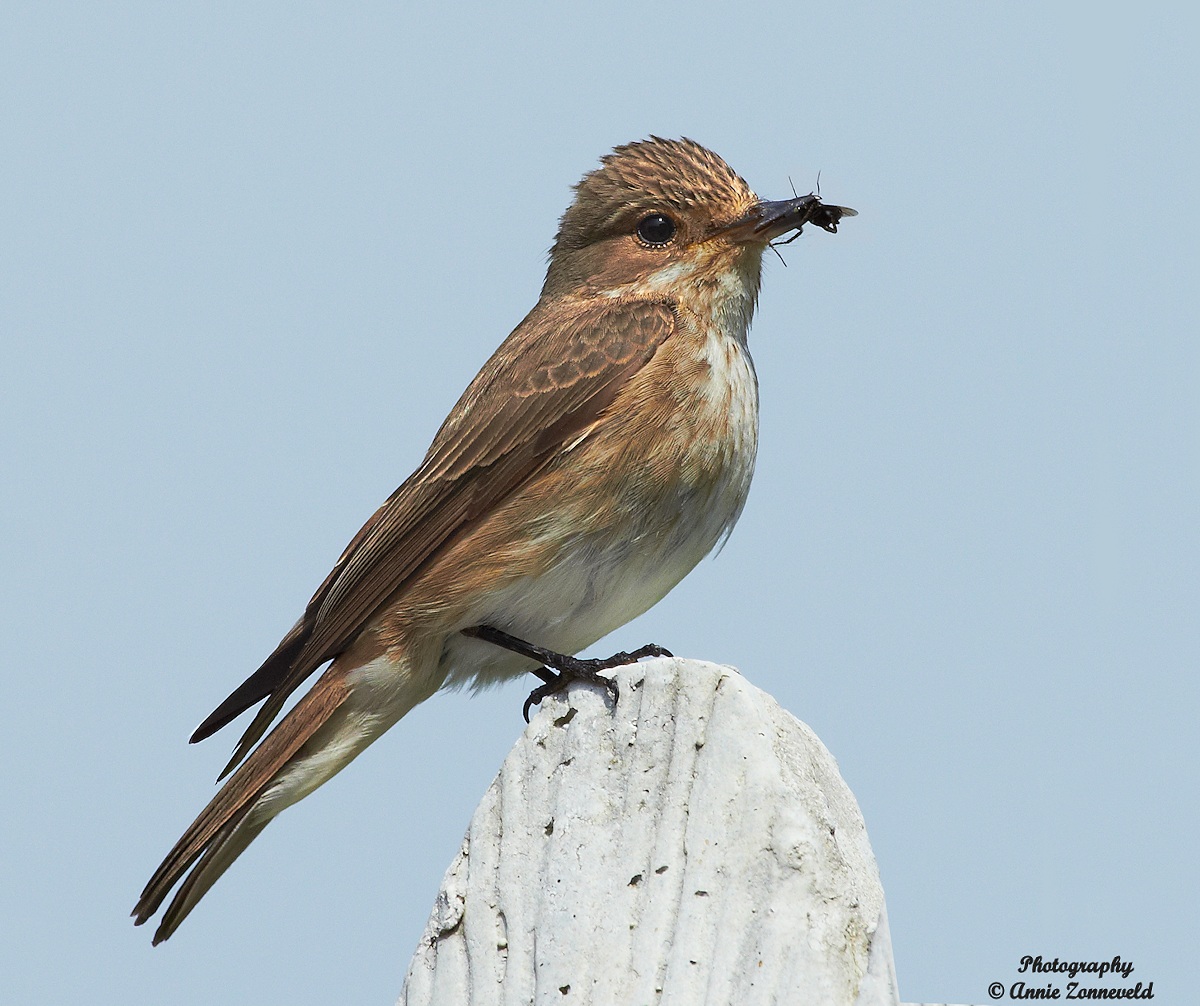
[[651, 174], [679, 178]]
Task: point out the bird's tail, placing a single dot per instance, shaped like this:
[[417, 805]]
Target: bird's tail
[[318, 738]]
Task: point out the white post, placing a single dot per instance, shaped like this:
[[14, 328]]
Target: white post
[[695, 846]]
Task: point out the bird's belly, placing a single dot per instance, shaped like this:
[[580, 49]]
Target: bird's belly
[[607, 571], [593, 587]]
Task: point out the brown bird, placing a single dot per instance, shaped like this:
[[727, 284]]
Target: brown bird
[[601, 452]]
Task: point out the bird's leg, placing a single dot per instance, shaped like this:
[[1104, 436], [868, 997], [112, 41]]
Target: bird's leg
[[569, 668]]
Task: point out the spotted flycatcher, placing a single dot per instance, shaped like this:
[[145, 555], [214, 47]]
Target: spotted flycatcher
[[601, 452]]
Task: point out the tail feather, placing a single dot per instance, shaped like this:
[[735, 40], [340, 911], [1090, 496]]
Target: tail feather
[[258, 686], [229, 843], [240, 810]]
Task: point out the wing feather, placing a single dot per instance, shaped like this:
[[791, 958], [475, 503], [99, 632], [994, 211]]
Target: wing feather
[[551, 379]]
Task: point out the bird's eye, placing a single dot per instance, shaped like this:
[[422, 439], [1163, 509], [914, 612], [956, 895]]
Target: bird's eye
[[656, 229]]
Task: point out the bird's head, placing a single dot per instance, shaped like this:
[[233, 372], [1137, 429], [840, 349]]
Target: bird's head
[[670, 217]]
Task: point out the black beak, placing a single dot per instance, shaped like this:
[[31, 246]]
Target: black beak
[[792, 214], [769, 220]]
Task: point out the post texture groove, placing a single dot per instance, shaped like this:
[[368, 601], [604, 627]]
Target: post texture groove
[[696, 845]]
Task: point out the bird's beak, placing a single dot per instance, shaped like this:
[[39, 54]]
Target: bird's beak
[[766, 221]]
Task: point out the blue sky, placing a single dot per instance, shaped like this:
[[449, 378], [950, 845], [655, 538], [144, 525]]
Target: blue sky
[[251, 254]]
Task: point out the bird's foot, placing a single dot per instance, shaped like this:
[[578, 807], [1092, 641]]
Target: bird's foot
[[573, 669], [569, 668]]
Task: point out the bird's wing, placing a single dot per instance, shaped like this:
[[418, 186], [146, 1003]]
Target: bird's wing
[[551, 378]]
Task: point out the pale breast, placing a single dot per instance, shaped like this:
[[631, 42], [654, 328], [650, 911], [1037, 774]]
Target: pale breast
[[646, 501], [728, 424]]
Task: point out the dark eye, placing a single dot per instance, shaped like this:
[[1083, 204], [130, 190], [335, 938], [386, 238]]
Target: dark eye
[[656, 229]]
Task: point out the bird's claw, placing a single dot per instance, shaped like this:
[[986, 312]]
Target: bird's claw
[[568, 668], [558, 682], [571, 669]]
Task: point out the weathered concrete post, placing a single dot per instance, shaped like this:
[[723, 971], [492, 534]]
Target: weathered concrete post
[[696, 846]]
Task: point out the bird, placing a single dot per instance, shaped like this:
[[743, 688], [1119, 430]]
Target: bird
[[601, 452]]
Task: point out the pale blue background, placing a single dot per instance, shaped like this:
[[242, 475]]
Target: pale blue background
[[252, 253]]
